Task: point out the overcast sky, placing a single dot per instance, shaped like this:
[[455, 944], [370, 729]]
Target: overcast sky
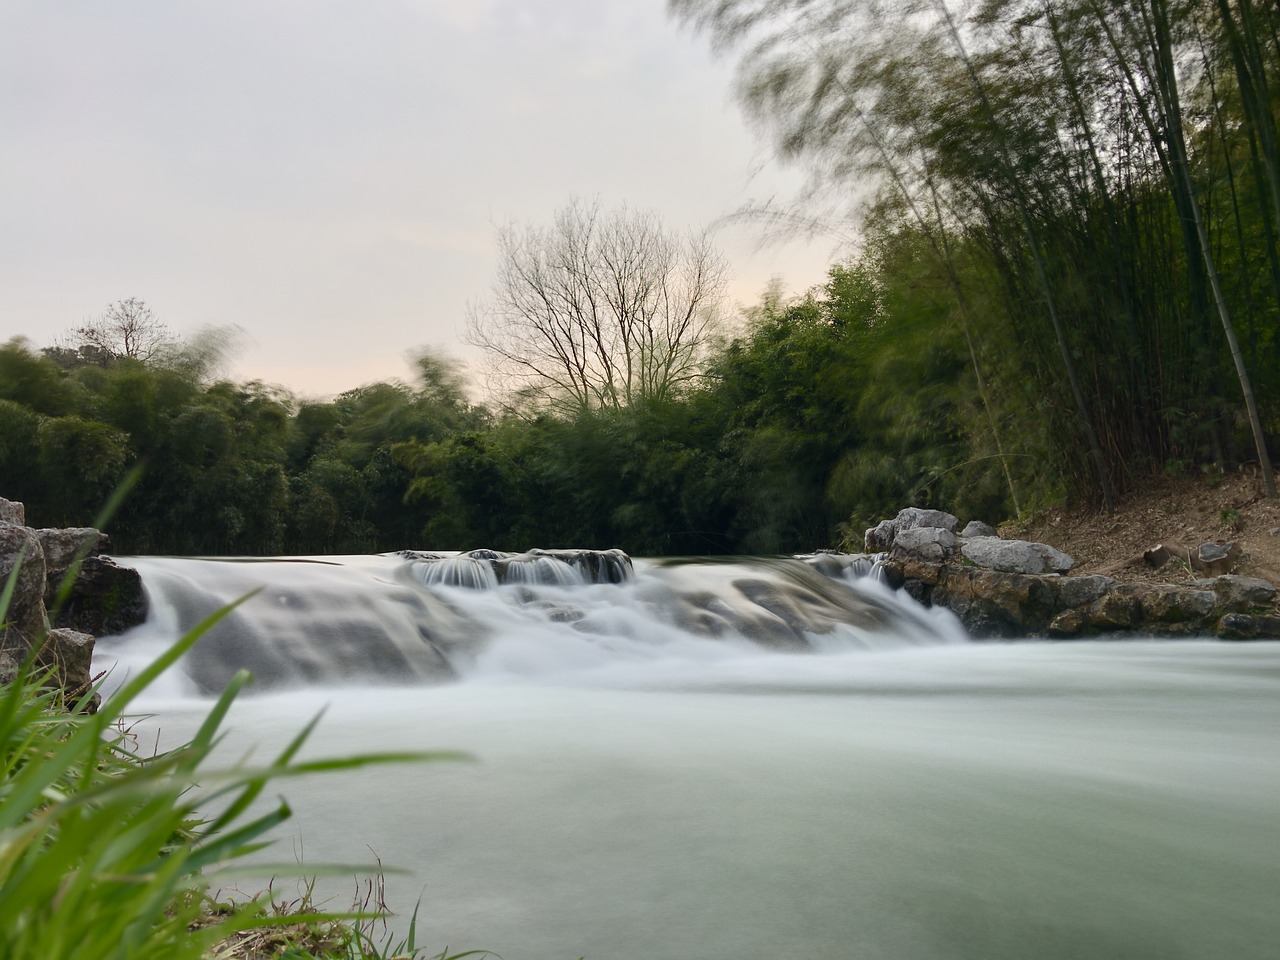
[[328, 174]]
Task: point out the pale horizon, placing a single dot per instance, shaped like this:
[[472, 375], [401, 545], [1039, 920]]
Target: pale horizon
[[330, 183]]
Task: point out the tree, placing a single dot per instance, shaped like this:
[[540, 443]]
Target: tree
[[127, 329], [602, 309]]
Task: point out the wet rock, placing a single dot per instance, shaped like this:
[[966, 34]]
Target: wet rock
[[1015, 556], [996, 604], [1245, 626]]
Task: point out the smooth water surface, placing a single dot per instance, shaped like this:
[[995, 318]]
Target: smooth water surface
[[1090, 800]]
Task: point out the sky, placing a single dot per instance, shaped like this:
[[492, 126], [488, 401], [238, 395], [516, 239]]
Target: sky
[[328, 175]]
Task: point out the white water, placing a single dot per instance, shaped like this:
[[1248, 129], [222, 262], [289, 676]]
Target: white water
[[643, 791]]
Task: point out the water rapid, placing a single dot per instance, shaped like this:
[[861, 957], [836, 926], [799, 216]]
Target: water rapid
[[746, 759]]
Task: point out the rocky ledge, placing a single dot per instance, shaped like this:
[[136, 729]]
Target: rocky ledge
[[65, 593], [1014, 588]]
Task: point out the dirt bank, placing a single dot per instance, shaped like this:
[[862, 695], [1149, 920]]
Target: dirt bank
[[1180, 512]]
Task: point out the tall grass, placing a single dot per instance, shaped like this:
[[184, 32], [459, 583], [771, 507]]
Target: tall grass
[[104, 854]]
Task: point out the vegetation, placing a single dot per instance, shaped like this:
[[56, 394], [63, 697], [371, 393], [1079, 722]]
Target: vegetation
[[1068, 280], [104, 854]]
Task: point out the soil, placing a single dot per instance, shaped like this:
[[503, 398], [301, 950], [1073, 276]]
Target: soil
[[1178, 512]]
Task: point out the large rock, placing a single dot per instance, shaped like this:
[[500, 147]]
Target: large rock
[[1238, 594], [880, 538], [1015, 556], [929, 544], [105, 599], [63, 547], [1246, 626], [25, 620]]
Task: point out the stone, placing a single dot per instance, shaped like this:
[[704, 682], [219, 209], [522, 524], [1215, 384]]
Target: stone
[[12, 511], [25, 620], [1079, 591], [105, 598], [1015, 556], [976, 528], [991, 603], [1238, 594], [71, 652], [62, 547], [879, 538], [1165, 603], [930, 544], [1244, 626]]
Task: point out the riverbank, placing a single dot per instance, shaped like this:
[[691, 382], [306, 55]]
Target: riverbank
[[1183, 511]]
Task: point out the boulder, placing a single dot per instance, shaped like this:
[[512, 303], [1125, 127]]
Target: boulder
[[12, 511], [879, 538], [992, 603], [1245, 626], [105, 598], [930, 544], [1238, 594], [976, 528], [1015, 556], [62, 547], [25, 620]]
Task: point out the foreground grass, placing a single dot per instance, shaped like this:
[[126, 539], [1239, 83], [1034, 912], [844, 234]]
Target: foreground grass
[[104, 855]]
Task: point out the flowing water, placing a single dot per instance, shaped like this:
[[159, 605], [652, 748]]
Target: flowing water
[[743, 760]]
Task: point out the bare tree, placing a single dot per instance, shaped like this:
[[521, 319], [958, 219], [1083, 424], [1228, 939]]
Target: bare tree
[[127, 329], [601, 309]]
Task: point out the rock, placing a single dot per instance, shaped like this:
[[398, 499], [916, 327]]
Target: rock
[[1245, 626], [991, 603], [62, 547], [12, 511], [1015, 556], [1079, 591], [25, 620], [1238, 594], [976, 528], [1166, 604], [879, 538], [930, 544], [71, 652], [105, 598]]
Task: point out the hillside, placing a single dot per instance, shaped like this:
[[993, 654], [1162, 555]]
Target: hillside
[[1184, 511]]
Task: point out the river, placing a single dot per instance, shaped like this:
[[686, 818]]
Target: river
[[644, 785]]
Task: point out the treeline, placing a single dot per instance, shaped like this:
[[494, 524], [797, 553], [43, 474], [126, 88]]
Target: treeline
[[1069, 281], [756, 458], [1095, 185]]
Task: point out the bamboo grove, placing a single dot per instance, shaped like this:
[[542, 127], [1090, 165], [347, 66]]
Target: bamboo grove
[[1097, 181]]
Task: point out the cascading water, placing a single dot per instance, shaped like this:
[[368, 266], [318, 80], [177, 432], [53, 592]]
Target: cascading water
[[417, 616], [742, 759]]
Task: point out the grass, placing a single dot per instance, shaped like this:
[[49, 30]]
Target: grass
[[105, 855]]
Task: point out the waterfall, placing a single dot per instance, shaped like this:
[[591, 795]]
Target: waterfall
[[415, 616]]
